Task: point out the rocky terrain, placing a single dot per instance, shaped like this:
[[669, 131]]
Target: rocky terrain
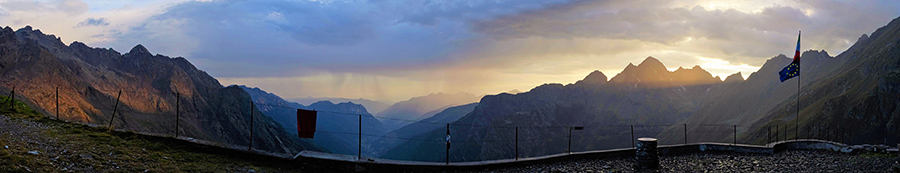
[[30, 142], [789, 161], [145, 91]]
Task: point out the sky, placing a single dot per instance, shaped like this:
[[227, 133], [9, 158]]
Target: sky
[[393, 50]]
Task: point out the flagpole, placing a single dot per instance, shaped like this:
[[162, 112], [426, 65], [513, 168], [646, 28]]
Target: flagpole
[[797, 135]]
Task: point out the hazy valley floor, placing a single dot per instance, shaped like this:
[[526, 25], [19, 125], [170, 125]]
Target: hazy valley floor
[[789, 161]]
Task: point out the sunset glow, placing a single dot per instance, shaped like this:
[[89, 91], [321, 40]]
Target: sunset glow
[[391, 51]]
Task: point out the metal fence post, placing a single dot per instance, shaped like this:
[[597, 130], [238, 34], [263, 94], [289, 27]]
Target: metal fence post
[[517, 143], [632, 136], [685, 134], [569, 149], [12, 94], [735, 135], [115, 109], [250, 146], [447, 154], [359, 145]]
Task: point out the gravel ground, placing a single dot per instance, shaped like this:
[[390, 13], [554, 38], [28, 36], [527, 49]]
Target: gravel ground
[[29, 146], [789, 161], [47, 152]]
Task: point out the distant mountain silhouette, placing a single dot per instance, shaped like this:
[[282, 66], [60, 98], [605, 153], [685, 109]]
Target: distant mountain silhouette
[[737, 77], [652, 73], [437, 121], [341, 117], [89, 80], [373, 107], [594, 78], [853, 96], [592, 101], [418, 108]]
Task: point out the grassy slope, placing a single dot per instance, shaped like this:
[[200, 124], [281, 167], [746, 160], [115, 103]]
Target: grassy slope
[[67, 143]]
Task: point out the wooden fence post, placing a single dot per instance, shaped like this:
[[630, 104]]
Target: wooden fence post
[[57, 103], [177, 112], [115, 109]]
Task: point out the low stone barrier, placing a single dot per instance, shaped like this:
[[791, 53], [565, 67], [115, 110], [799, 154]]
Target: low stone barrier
[[399, 165]]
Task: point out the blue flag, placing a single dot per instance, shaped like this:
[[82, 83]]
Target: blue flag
[[793, 69]]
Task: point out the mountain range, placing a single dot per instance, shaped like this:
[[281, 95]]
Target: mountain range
[[417, 108], [338, 122], [144, 89], [337, 125], [853, 95], [373, 107]]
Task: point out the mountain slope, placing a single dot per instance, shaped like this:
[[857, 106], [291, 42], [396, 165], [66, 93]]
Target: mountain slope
[[858, 102], [373, 107], [546, 111], [437, 121], [336, 123], [152, 88], [418, 108], [762, 101]]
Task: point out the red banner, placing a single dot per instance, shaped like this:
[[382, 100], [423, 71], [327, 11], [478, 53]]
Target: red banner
[[306, 123]]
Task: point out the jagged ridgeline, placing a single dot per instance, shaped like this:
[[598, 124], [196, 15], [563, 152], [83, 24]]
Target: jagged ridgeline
[[853, 97], [153, 88]]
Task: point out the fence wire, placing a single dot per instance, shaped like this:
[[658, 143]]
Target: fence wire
[[152, 112]]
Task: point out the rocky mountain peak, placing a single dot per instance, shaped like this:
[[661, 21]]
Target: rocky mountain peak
[[737, 77], [652, 64], [27, 28], [78, 45], [652, 72], [596, 78], [139, 50]]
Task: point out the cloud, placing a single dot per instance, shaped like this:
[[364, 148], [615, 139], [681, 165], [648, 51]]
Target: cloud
[[302, 38], [747, 37], [72, 7], [92, 22], [395, 49], [69, 7]]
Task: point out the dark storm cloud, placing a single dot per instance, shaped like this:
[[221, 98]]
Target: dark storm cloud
[[280, 38], [275, 38]]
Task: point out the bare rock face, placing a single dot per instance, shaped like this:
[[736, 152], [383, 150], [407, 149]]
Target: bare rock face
[[90, 79], [594, 78], [652, 73], [734, 78]]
